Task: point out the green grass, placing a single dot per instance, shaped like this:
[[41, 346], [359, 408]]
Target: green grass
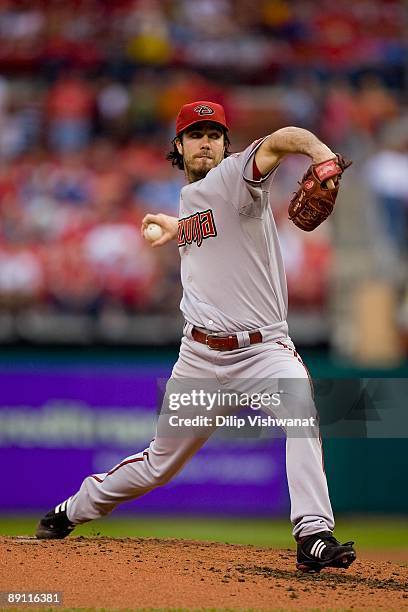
[[371, 533]]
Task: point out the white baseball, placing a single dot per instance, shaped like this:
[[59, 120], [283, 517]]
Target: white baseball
[[153, 232]]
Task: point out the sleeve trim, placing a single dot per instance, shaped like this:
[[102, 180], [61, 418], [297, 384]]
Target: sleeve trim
[[257, 178]]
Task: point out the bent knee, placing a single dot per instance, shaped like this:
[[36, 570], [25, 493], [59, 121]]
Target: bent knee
[[162, 476]]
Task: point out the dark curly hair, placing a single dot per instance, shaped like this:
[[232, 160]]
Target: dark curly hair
[[176, 158]]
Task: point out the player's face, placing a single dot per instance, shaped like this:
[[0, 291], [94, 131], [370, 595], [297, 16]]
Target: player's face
[[202, 148]]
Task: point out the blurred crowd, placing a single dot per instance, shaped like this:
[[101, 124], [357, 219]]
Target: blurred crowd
[[89, 90], [267, 35]]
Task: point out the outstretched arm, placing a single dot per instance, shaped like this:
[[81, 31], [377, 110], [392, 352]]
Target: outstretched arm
[[290, 140], [168, 224]]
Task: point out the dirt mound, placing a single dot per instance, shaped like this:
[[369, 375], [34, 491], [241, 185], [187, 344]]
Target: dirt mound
[[151, 573]]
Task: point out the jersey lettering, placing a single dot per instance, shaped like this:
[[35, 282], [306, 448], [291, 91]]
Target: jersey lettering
[[188, 229], [197, 233], [196, 228], [181, 239], [207, 224]]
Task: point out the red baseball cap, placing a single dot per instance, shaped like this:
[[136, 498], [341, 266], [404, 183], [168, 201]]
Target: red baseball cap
[[200, 111]]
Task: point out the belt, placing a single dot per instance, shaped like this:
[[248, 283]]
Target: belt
[[228, 342]]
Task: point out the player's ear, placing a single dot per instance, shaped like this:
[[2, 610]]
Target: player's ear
[[179, 145]]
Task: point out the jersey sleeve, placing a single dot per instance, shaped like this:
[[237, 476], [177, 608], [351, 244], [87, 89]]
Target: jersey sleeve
[[257, 186], [234, 181], [250, 173]]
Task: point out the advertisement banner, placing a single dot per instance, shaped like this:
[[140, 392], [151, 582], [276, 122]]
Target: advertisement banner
[[58, 425]]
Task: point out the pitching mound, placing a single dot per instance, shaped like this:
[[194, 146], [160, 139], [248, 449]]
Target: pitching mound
[[151, 573]]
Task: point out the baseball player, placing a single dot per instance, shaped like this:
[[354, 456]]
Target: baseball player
[[235, 306]]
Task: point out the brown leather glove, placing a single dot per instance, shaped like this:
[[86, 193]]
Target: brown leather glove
[[314, 200]]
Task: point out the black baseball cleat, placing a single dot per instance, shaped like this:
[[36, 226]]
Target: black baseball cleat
[[55, 525], [323, 550]]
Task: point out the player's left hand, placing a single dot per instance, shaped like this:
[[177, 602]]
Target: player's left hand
[[314, 200]]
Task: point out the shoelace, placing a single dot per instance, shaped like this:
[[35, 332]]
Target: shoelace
[[333, 540], [329, 539]]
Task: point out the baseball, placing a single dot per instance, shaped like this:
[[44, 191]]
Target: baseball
[[153, 232]]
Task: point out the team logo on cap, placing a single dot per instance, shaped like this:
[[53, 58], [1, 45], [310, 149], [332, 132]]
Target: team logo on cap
[[203, 109]]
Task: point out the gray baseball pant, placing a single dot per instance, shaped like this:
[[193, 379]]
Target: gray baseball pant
[[257, 368]]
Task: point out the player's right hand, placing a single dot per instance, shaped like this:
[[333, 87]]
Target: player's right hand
[[168, 224]]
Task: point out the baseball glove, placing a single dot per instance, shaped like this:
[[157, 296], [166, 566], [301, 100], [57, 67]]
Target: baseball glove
[[314, 200]]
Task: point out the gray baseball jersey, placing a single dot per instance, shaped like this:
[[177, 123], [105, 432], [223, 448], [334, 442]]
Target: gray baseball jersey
[[231, 263]]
